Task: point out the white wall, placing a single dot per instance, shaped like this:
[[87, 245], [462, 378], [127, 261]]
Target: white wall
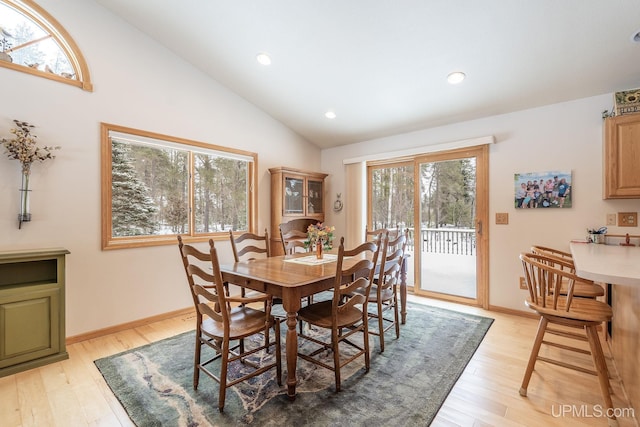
[[141, 85], [565, 136], [137, 83]]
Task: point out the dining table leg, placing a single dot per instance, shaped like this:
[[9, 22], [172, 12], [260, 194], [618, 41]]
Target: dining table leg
[[291, 305]]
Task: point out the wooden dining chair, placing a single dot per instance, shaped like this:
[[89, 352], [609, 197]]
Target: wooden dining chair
[[554, 308], [245, 247], [221, 319], [397, 243], [545, 250], [293, 241], [371, 235], [248, 246], [564, 260], [383, 294], [346, 313]]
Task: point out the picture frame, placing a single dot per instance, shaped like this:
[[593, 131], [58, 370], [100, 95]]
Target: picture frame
[[543, 190]]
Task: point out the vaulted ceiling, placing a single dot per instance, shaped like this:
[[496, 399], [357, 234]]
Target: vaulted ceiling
[[382, 65]]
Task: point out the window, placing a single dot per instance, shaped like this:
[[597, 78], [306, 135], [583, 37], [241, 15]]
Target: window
[[155, 187], [33, 42]]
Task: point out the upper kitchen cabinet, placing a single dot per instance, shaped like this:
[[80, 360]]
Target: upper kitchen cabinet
[[622, 157]]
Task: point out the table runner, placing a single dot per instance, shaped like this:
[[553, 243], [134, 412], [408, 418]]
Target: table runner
[[313, 260]]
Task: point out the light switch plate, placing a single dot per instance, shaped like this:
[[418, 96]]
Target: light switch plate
[[628, 219], [523, 284], [611, 219], [502, 218]]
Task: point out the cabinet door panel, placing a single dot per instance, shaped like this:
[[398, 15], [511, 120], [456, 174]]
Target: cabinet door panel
[[622, 157], [314, 190], [293, 196], [28, 326]]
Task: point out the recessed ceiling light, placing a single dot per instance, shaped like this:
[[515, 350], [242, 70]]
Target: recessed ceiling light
[[263, 58], [330, 114], [455, 77], [635, 37]]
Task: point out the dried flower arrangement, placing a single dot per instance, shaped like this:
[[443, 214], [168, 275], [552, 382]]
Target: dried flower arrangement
[[23, 146]]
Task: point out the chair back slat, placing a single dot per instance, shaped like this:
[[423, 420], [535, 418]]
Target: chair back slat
[[293, 241], [560, 259], [372, 235], [544, 277], [254, 245], [205, 301], [398, 241]]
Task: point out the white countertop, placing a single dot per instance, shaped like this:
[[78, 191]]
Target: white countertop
[[607, 263]]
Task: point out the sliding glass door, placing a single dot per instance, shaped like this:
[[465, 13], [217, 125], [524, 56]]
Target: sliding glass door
[[443, 199]]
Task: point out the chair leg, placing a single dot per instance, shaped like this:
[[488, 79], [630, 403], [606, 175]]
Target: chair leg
[[266, 335], [381, 325], [267, 309], [365, 331], [396, 315], [224, 364], [601, 368], [336, 357], [542, 327], [196, 360], [276, 326]]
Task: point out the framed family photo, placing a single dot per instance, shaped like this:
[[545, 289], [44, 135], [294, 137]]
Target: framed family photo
[[543, 190]]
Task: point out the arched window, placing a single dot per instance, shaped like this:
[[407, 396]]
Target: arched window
[[33, 42]]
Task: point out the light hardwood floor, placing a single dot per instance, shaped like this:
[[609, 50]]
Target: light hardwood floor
[[73, 393]]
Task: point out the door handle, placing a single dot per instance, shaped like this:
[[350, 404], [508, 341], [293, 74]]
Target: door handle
[[479, 228]]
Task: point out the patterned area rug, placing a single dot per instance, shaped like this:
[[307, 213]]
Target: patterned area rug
[[407, 383]]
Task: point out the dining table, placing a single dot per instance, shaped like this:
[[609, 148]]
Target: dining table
[[290, 278]]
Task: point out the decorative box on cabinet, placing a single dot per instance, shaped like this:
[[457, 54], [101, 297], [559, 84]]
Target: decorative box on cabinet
[[622, 157], [32, 310], [295, 194]]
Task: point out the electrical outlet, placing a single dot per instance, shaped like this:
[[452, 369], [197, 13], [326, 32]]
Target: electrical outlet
[[611, 219], [502, 218], [628, 219], [523, 284]]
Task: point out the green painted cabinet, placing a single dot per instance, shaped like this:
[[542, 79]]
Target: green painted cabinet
[[32, 313]]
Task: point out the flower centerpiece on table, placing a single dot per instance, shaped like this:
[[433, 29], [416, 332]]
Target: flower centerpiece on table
[[320, 234]]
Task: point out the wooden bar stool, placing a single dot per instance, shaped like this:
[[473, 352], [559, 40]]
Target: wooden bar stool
[[555, 308]]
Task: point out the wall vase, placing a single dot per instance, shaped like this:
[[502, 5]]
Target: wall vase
[[24, 215]]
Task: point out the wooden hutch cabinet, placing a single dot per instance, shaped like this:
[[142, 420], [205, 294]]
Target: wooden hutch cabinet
[[295, 194], [622, 157], [32, 314]]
